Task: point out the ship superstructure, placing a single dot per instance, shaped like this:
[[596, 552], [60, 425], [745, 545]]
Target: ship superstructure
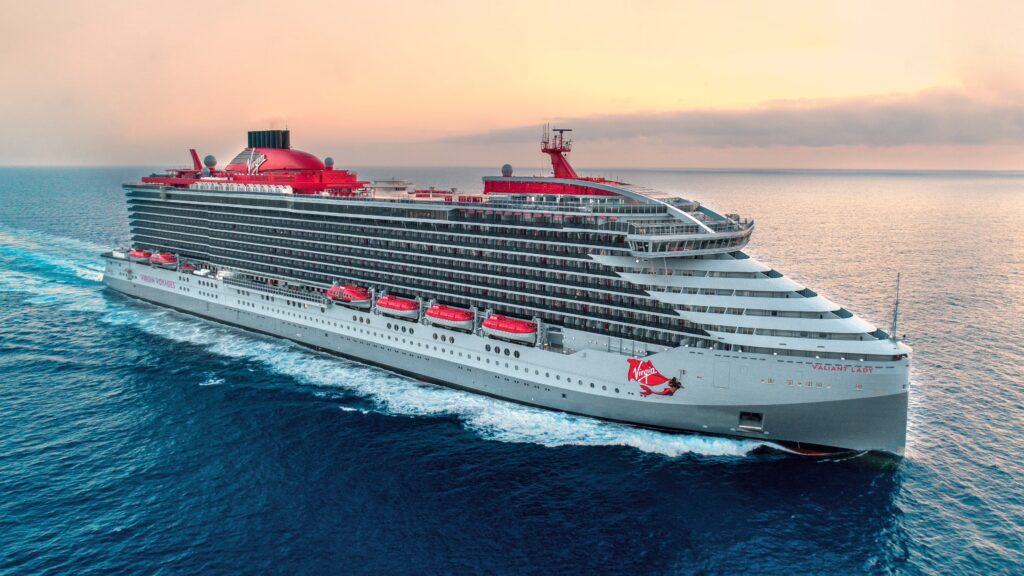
[[575, 293]]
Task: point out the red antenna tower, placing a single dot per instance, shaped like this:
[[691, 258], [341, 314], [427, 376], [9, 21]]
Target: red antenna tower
[[557, 147]]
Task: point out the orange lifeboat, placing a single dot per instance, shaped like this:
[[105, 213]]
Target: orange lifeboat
[[350, 295], [141, 256], [507, 328], [399, 307], [164, 260], [449, 317]]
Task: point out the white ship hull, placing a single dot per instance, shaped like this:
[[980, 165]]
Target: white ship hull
[[844, 405]]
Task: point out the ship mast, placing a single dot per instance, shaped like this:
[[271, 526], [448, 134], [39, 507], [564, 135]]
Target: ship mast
[[557, 147]]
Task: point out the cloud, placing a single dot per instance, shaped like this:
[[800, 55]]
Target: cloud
[[934, 118]]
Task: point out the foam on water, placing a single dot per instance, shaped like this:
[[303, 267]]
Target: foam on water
[[47, 291], [400, 396], [212, 380], [60, 254]]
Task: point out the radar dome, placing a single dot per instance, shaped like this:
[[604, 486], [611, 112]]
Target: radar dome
[[328, 161], [210, 161], [506, 170], [206, 169]]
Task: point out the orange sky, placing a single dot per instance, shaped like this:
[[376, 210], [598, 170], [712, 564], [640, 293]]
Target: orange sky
[[647, 83]]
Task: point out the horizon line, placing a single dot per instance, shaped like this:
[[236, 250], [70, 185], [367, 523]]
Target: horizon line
[[595, 169]]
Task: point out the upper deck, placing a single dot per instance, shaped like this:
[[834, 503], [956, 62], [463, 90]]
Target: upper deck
[[657, 223]]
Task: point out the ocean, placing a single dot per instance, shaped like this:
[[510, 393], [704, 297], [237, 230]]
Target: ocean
[[137, 440]]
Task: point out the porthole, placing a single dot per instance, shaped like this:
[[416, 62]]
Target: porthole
[[410, 332], [591, 384], [497, 350], [389, 325], [487, 348], [435, 338], [558, 376], [506, 352], [517, 354], [616, 390], [604, 387]]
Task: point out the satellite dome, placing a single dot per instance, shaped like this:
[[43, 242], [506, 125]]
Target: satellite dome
[[328, 161], [210, 161], [506, 170], [206, 169]]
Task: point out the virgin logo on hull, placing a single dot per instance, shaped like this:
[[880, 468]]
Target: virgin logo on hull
[[650, 380]]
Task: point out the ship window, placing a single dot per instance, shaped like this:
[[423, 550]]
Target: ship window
[[517, 354], [488, 347], [506, 352]]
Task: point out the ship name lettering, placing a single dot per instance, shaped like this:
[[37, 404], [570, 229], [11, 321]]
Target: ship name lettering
[[157, 281], [841, 368]]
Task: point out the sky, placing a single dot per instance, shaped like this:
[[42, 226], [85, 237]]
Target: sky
[[888, 85]]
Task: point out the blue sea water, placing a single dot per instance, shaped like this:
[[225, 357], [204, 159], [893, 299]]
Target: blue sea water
[[136, 440]]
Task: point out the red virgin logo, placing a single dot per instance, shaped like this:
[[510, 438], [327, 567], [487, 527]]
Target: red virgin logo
[[644, 373]]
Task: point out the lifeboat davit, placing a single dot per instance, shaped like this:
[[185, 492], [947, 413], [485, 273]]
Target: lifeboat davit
[[141, 256], [350, 295], [399, 307], [164, 260], [449, 317], [507, 328]]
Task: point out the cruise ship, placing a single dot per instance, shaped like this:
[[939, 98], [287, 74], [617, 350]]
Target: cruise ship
[[578, 294]]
